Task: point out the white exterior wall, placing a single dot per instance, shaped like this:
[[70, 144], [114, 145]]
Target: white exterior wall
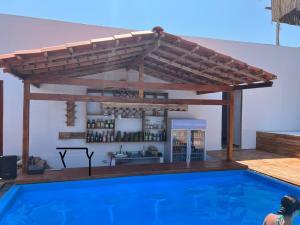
[[268, 109], [275, 108]]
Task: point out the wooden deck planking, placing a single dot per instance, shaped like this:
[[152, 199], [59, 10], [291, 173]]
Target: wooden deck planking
[[278, 166], [128, 170]]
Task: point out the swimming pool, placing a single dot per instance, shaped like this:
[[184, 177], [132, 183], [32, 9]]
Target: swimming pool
[[227, 198]]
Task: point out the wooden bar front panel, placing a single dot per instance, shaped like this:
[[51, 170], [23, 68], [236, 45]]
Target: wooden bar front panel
[[282, 144]]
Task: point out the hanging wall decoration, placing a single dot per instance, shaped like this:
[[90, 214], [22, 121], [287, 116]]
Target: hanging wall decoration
[[70, 116]]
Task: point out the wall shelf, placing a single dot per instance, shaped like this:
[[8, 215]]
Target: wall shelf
[[120, 142]]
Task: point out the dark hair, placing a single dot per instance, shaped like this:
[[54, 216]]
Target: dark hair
[[289, 204]]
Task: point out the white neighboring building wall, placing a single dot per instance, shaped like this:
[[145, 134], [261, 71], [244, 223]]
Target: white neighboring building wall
[[275, 108]]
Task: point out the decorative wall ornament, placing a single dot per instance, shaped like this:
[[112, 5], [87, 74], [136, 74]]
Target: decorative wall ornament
[[70, 116]]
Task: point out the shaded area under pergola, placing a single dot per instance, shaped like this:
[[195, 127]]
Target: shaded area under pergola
[[182, 64]]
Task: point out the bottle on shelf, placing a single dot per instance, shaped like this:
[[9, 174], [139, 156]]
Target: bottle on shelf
[[103, 137], [96, 137], [101, 124], [92, 137], [112, 138], [88, 124], [93, 124], [111, 125], [100, 137], [106, 124], [98, 124], [149, 136], [107, 136]]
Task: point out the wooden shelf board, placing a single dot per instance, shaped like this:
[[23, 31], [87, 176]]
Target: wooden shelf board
[[136, 142]]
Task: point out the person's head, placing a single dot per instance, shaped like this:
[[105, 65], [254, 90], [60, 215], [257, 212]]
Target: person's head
[[290, 206]]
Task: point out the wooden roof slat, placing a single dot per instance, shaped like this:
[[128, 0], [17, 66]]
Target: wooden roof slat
[[123, 36], [43, 59], [202, 68], [75, 60], [87, 67], [175, 73], [213, 62], [185, 68], [142, 32], [186, 54], [163, 76], [28, 52], [81, 73], [77, 44]]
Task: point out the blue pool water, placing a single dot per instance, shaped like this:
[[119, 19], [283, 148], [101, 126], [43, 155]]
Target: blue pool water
[[227, 198]]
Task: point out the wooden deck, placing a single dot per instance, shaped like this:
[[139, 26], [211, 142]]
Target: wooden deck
[[278, 166], [128, 170]]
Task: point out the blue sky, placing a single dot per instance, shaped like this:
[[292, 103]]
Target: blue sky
[[241, 20]]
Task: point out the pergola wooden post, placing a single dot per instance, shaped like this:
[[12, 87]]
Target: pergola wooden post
[[230, 132], [26, 113], [141, 77]]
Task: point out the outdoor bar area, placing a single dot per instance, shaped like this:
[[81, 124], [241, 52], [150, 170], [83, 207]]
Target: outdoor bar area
[[120, 112]]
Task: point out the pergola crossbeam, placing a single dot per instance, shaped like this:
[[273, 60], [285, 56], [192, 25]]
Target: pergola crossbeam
[[132, 84], [89, 98]]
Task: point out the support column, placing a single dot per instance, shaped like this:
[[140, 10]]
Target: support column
[[230, 131], [141, 78], [1, 117], [26, 108]]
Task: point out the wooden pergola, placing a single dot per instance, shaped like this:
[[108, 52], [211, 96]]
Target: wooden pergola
[[182, 64], [286, 11]]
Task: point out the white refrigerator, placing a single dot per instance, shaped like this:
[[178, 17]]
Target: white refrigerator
[[186, 140]]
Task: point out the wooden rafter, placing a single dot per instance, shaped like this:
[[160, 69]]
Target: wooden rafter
[[46, 53], [85, 71], [202, 68], [84, 61], [181, 57], [188, 69], [165, 76], [214, 62], [184, 77]]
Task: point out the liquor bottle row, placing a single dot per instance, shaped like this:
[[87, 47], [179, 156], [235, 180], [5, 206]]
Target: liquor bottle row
[[100, 124], [109, 136], [92, 136], [159, 136], [154, 126]]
